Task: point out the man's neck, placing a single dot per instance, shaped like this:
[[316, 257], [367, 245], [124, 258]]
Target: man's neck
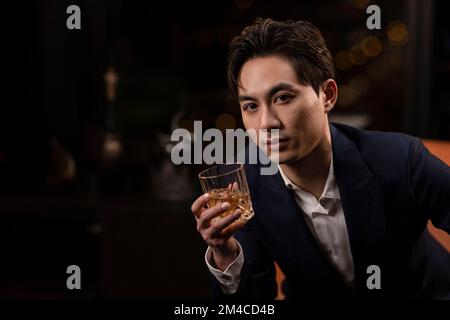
[[311, 172]]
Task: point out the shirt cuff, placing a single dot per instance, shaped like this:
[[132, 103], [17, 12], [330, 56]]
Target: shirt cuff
[[230, 277]]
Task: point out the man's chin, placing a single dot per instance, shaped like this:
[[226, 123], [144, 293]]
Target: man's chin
[[284, 157], [279, 157]]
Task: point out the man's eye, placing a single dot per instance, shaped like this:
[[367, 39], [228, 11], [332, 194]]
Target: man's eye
[[283, 98], [249, 107]]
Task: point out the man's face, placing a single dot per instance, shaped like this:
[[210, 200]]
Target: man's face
[[271, 97]]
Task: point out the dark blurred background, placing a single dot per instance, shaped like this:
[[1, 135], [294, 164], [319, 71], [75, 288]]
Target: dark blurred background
[[86, 117]]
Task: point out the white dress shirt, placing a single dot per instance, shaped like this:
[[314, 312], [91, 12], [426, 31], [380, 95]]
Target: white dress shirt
[[324, 217]]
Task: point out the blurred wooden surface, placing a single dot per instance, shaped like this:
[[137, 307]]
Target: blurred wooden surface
[[440, 149]]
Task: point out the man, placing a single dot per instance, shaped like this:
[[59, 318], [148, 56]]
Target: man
[[345, 201]]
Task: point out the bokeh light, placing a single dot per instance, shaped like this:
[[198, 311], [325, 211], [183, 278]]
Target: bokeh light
[[359, 4], [397, 33], [342, 61], [225, 121], [357, 55], [371, 46]]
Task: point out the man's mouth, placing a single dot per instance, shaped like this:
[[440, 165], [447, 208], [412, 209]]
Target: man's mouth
[[276, 143]]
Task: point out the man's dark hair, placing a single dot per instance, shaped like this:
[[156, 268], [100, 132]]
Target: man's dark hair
[[298, 41]]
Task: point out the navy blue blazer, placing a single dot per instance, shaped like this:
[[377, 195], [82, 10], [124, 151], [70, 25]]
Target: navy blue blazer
[[390, 185]]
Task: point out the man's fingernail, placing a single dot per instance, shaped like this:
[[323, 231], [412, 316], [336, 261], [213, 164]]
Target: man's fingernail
[[206, 195], [225, 205]]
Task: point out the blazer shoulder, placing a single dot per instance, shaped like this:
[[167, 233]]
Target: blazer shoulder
[[379, 144], [387, 153]]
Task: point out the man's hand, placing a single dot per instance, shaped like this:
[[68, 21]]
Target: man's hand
[[218, 234]]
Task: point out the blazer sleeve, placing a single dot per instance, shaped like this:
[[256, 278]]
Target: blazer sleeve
[[430, 184], [258, 272]]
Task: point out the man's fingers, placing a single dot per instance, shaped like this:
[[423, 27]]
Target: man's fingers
[[210, 213], [228, 220], [233, 186], [232, 228], [199, 203], [219, 226]]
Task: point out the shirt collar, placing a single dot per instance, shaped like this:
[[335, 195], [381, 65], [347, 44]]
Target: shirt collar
[[330, 191]]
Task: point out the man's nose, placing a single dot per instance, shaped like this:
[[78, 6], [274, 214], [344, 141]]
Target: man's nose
[[269, 119]]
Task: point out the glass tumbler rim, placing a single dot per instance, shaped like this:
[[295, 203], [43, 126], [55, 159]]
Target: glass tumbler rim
[[240, 166]]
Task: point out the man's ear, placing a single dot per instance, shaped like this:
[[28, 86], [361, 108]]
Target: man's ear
[[330, 94]]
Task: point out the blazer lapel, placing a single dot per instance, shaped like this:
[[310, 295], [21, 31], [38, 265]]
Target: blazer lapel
[[362, 201], [287, 235]]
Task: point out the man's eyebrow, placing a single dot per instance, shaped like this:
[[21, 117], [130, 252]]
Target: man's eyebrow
[[279, 87], [245, 98], [272, 91]]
